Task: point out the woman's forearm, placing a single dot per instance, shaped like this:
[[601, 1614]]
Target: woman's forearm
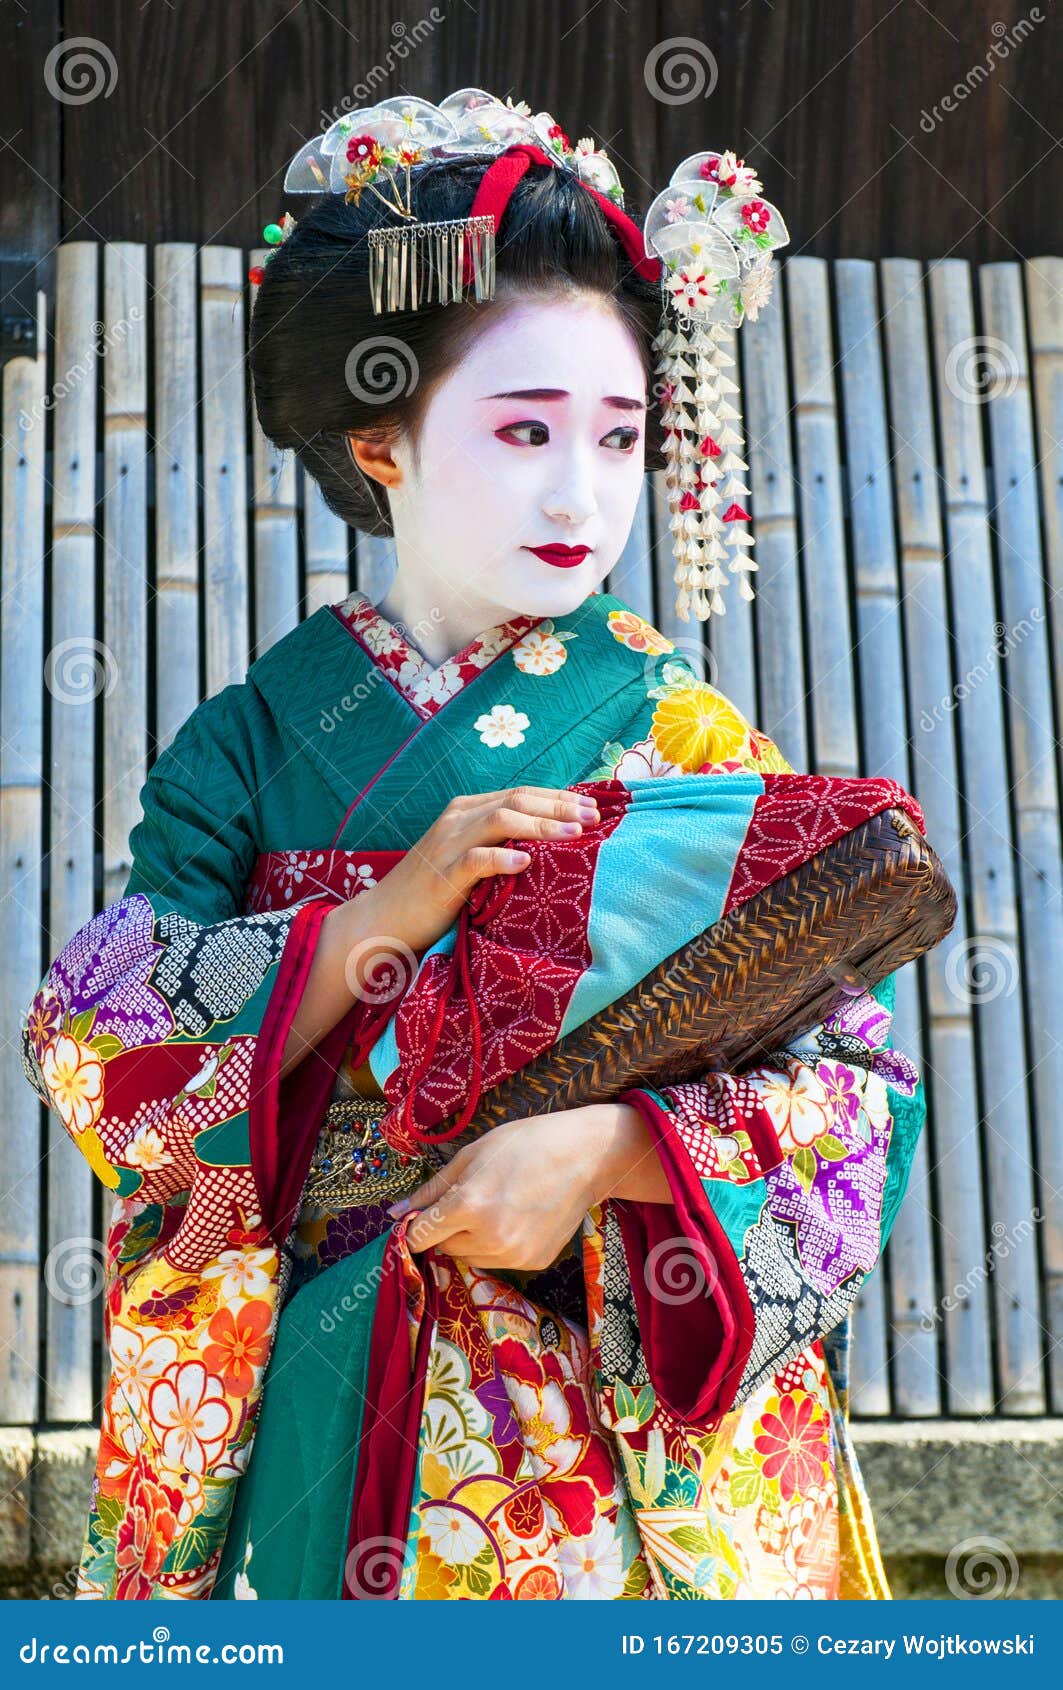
[[329, 993]]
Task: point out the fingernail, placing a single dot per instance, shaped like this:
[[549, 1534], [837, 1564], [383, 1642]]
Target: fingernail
[[571, 827], [397, 1210]]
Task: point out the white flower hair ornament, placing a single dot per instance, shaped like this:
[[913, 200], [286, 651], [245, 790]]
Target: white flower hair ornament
[[715, 237], [707, 239]]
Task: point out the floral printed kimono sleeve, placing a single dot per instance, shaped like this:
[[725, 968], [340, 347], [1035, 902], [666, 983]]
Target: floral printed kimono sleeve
[[785, 1178], [155, 1038]]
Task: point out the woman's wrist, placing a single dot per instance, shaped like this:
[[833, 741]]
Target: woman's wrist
[[625, 1161]]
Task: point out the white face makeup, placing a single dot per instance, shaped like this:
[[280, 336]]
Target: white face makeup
[[536, 440]]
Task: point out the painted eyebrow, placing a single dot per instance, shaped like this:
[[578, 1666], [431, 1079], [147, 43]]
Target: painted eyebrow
[[618, 401]]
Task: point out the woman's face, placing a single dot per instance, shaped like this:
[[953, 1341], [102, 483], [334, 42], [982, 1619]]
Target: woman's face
[[536, 439]]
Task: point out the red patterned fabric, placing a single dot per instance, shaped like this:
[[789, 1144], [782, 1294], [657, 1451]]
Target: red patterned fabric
[[283, 878], [799, 815], [478, 1015]]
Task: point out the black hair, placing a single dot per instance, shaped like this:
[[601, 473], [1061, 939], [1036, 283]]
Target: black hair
[[313, 314]]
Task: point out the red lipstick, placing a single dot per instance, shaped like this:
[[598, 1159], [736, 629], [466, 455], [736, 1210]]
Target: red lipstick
[[562, 557]]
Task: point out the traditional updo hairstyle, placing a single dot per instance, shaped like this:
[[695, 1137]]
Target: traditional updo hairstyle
[[323, 363]]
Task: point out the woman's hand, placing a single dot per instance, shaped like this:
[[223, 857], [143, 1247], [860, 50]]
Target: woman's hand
[[415, 904], [420, 898], [515, 1197]]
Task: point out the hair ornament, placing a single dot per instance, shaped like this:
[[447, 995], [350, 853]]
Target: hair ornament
[[708, 239]]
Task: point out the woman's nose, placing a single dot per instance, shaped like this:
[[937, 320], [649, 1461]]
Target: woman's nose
[[573, 500]]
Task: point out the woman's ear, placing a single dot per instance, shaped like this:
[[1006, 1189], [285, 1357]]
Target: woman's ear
[[374, 458]]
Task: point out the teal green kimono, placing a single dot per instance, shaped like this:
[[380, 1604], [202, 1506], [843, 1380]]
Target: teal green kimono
[[574, 1435]]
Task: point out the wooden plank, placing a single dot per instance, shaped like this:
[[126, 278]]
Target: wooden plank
[[884, 751], [823, 569], [326, 548], [78, 666], [991, 970], [631, 578], [1026, 666], [961, 1314], [122, 678], [859, 85], [1044, 294], [225, 579], [24, 415], [177, 665], [275, 529], [776, 582], [375, 563], [31, 208]]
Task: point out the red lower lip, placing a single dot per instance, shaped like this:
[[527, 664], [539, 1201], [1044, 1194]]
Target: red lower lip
[[559, 556]]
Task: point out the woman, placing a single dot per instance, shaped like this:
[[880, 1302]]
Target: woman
[[585, 1358]]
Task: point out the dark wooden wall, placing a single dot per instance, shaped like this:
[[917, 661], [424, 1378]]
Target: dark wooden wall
[[832, 99]]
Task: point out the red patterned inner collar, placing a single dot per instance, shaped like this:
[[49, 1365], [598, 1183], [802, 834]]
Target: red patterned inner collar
[[425, 687]]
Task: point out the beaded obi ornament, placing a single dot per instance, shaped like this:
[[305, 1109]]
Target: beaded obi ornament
[[708, 239]]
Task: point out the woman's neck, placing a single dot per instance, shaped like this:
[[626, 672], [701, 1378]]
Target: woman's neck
[[436, 623]]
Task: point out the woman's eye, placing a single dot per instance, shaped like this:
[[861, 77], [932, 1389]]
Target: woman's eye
[[540, 428], [630, 440]]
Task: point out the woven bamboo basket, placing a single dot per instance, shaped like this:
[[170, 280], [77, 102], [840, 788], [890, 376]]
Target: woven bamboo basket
[[777, 965]]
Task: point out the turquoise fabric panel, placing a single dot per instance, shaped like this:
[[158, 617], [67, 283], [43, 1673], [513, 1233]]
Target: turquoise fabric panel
[[293, 1505], [736, 1207], [661, 878]]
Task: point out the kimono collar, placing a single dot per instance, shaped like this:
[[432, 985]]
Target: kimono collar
[[425, 687]]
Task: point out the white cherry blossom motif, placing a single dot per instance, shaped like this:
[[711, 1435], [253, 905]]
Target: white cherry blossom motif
[[188, 1408], [642, 761], [73, 1073], [147, 1151], [693, 289], [139, 1358], [489, 644], [243, 1273], [541, 651], [428, 686], [502, 725]]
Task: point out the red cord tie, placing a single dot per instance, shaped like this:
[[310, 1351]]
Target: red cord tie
[[500, 179]]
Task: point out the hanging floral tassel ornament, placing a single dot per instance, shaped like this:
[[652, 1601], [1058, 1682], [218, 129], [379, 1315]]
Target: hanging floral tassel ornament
[[714, 238]]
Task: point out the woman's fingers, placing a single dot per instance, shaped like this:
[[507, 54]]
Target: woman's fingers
[[556, 797], [444, 1216], [503, 821], [495, 809]]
